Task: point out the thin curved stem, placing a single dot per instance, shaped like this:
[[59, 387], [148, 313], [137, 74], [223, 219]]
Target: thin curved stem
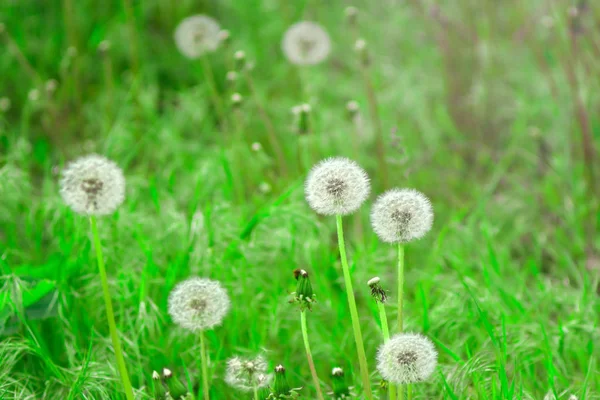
[[311, 363], [360, 347], [110, 316], [205, 388]]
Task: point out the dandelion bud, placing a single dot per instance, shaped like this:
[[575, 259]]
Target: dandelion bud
[[339, 384], [361, 49], [176, 388], [573, 11], [197, 35], [158, 388], [240, 60], [376, 290], [336, 186], [302, 114], [401, 216], [351, 14], [406, 358], [264, 187], [104, 46], [550, 396], [306, 43], [256, 147], [231, 78], [51, 86], [4, 104], [245, 375], [281, 386], [236, 100], [572, 397], [198, 304], [352, 108], [93, 185], [224, 38], [303, 295], [33, 95]]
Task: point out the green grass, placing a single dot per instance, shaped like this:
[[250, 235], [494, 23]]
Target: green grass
[[506, 284]]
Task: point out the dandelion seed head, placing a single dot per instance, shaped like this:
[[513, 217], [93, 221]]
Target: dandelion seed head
[[245, 374], [93, 185], [198, 304], [407, 358], [306, 43], [336, 186], [197, 35], [401, 216]]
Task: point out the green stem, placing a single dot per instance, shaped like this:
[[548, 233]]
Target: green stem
[[409, 391], [205, 388], [400, 285], [112, 326], [212, 85], [255, 389], [386, 337], [360, 347], [311, 363]]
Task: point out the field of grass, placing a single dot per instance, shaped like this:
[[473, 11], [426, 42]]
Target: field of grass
[[492, 109]]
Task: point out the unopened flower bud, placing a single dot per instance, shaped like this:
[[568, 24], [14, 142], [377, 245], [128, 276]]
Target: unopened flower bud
[[361, 49], [351, 14], [224, 38], [339, 384], [158, 388], [281, 386], [236, 100], [51, 86], [176, 388], [352, 108], [304, 295], [240, 60], [302, 115]]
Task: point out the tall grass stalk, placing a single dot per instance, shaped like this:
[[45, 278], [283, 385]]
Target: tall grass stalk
[[360, 348], [112, 326], [311, 363]]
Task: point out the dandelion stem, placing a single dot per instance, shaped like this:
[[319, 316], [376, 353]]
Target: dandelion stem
[[210, 80], [311, 363], [386, 337], [273, 141], [112, 326], [409, 391], [400, 285], [360, 348], [205, 388], [255, 389], [376, 120]]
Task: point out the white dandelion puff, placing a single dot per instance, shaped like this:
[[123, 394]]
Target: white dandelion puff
[[198, 304], [247, 374], [401, 216], [336, 186], [306, 43], [197, 35], [93, 185], [407, 358]]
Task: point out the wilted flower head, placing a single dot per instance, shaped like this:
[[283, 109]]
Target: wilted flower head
[[401, 215], [245, 374], [197, 35], [336, 186], [198, 304], [376, 290], [407, 358], [93, 185], [306, 43]]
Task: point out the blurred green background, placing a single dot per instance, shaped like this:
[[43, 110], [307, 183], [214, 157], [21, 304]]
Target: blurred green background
[[489, 108]]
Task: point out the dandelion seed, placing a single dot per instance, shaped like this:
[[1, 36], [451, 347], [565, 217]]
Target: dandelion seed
[[306, 43], [407, 358], [336, 186], [93, 185], [198, 304], [401, 216], [4, 104], [246, 375], [197, 35]]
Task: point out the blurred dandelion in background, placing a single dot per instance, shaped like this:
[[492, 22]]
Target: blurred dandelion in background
[[197, 35], [306, 43]]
